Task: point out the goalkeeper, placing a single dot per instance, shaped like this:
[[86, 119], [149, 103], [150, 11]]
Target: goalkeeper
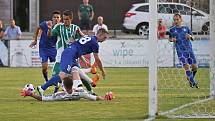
[[181, 36], [68, 94]]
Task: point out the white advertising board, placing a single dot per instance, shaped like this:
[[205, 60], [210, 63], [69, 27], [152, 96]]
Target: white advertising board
[[133, 53], [3, 54], [115, 53], [21, 55]]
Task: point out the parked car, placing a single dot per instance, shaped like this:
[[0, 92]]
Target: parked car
[[137, 18]]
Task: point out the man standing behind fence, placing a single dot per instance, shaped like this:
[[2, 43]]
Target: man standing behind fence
[[13, 31], [99, 25], [85, 15]]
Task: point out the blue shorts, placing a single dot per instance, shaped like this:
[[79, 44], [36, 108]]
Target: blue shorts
[[68, 60], [186, 58], [47, 53]]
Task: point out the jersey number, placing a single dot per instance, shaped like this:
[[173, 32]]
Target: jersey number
[[84, 40]]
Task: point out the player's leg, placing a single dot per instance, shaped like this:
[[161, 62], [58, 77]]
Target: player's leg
[[56, 68], [55, 71], [188, 72], [45, 70], [85, 77], [192, 61], [44, 62], [65, 66], [92, 70], [194, 69], [77, 83]]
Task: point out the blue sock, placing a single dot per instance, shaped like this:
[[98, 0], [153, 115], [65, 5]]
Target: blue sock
[[194, 73], [190, 76], [45, 75], [53, 81]]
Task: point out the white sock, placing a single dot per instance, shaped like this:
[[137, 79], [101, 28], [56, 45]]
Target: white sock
[[84, 76], [76, 84], [86, 70]]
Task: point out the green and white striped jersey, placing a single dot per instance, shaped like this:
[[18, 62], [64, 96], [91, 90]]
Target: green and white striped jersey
[[65, 36]]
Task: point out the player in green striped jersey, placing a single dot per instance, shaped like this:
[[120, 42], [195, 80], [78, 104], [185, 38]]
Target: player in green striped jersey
[[66, 33]]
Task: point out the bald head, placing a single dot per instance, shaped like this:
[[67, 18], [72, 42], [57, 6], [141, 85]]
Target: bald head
[[100, 20]]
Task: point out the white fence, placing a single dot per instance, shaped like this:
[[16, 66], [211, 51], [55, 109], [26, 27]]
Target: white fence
[[114, 53]]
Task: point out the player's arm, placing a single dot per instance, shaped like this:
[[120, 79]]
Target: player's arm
[[49, 24], [36, 33], [6, 31], [80, 32], [79, 14], [35, 96], [171, 37], [99, 64], [19, 33], [189, 35], [92, 14]]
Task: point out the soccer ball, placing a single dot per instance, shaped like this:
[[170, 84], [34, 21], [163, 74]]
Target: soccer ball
[[29, 87]]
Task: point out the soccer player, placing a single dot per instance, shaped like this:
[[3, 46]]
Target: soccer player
[[67, 33], [85, 45], [68, 94], [181, 36], [47, 45]]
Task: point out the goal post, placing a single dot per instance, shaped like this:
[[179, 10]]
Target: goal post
[[153, 58], [212, 49], [169, 92]]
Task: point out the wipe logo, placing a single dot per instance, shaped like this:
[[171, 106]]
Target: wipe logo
[[123, 51]]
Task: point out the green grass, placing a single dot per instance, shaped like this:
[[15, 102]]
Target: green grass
[[130, 86]]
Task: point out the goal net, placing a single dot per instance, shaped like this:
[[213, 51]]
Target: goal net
[[178, 95]]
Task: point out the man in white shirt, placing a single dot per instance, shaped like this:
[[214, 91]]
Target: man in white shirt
[[99, 25]]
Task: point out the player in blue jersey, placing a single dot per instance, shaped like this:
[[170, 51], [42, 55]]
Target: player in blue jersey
[[69, 65], [181, 36], [47, 45]]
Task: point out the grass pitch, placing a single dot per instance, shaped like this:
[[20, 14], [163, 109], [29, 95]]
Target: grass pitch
[[130, 86]]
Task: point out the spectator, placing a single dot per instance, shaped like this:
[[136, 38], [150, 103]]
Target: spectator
[[85, 15], [1, 30], [13, 31], [99, 25], [161, 29]]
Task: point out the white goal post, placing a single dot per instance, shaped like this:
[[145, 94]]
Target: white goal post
[[212, 48]]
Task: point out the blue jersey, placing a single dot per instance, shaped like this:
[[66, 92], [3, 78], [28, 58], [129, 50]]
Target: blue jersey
[[87, 45], [182, 44], [45, 41], [83, 46]]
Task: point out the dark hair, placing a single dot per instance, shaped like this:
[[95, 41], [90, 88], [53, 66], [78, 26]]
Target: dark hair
[[102, 31], [68, 13], [177, 14], [56, 12], [68, 82]]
